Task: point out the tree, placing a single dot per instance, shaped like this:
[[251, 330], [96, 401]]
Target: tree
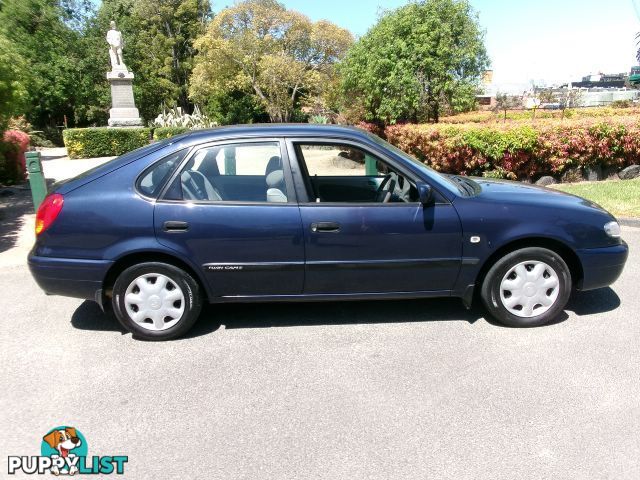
[[416, 61], [506, 102], [570, 98], [235, 107], [167, 31], [39, 32], [277, 56], [542, 96], [13, 82], [63, 46]]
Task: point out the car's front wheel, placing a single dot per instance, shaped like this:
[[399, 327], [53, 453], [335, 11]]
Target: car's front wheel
[[156, 301], [527, 287]]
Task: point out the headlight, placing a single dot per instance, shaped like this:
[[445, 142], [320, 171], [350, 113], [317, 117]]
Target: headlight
[[612, 229]]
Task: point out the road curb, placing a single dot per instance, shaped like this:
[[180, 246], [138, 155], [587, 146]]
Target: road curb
[[629, 222]]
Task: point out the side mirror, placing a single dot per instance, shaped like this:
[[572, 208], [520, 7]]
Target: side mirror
[[425, 193]]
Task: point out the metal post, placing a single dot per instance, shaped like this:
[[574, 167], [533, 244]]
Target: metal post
[[230, 161], [370, 167], [37, 182]]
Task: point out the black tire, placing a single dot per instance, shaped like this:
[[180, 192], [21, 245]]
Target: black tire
[[491, 287], [178, 278]]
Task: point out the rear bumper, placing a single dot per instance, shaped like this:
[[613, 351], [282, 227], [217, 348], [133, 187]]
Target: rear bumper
[[602, 266], [70, 277]]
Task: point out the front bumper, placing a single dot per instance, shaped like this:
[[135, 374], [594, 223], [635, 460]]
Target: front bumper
[[70, 277], [602, 266]]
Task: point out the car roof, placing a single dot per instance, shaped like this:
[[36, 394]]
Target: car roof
[[276, 130]]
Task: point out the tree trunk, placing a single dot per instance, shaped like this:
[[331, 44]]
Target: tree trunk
[[183, 100], [277, 116], [435, 110]]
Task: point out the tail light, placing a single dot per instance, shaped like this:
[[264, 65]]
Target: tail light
[[48, 211]]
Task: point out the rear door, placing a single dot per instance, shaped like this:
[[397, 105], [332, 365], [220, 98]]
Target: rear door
[[357, 243], [231, 209]]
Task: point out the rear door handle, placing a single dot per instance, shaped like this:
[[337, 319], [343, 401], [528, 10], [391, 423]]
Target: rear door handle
[[322, 227], [175, 226]]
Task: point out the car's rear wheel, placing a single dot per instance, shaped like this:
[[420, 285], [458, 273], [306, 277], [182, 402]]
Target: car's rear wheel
[[156, 301], [527, 287]]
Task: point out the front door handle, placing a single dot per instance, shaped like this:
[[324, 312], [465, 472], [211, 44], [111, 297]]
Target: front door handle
[[174, 226], [322, 227]]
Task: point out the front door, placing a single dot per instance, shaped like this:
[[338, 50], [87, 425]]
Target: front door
[[231, 210], [365, 230]]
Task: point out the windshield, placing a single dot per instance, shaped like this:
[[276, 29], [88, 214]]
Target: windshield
[[447, 181]]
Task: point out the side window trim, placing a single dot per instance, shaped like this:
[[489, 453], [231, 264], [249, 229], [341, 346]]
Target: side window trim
[[291, 197], [300, 172]]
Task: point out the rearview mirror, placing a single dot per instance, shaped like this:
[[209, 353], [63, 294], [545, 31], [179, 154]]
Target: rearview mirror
[[425, 193]]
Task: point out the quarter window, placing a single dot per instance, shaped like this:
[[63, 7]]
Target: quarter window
[[155, 177]]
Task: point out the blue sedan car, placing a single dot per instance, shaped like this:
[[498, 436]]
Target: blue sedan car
[[310, 213]]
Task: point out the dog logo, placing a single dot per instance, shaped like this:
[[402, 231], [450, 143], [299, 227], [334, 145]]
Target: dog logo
[[64, 451], [63, 440]]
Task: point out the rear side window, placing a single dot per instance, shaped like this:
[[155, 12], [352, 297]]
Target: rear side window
[[242, 172], [154, 178]]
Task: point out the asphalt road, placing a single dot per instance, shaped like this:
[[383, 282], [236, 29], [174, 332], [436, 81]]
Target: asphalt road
[[410, 389]]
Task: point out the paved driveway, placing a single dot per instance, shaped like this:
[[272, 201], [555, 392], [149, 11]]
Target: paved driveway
[[391, 390]]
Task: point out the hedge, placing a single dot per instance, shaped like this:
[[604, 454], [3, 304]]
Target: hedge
[[519, 151], [104, 142], [488, 116], [160, 133]]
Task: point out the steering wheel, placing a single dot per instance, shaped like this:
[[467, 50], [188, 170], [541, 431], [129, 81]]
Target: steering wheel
[[386, 188]]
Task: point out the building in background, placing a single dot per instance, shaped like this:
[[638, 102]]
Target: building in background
[[602, 89], [603, 80], [595, 90]]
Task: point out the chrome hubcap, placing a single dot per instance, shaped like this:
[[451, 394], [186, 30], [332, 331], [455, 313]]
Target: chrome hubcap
[[529, 289], [154, 301]]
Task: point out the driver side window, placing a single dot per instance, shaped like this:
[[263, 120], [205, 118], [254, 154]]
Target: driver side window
[[341, 173]]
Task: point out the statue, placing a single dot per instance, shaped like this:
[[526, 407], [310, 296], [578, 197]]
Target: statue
[[123, 112], [114, 39]]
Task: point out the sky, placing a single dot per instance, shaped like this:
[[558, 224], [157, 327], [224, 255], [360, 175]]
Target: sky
[[547, 41]]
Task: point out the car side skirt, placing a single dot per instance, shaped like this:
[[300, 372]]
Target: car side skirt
[[331, 297]]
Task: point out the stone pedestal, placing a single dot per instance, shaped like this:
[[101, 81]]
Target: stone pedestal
[[123, 111]]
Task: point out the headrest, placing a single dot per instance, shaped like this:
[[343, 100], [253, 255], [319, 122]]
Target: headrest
[[209, 165], [275, 179], [274, 164]]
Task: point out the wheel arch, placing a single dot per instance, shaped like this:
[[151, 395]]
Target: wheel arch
[[128, 260], [566, 253]]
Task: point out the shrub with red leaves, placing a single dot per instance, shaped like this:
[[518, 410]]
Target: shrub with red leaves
[[372, 128], [519, 150], [12, 163]]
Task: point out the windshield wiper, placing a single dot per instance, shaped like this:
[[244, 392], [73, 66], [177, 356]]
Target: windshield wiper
[[465, 184]]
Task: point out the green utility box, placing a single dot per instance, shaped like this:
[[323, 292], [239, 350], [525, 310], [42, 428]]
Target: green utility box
[[36, 178]]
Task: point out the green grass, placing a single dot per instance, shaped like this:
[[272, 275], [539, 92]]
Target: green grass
[[620, 197]]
